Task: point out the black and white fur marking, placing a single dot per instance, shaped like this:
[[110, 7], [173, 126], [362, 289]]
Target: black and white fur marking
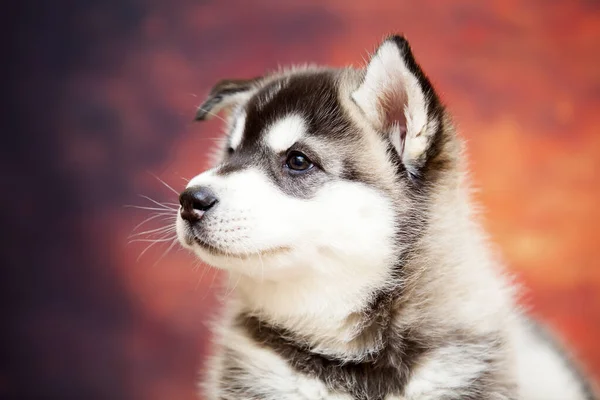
[[360, 269]]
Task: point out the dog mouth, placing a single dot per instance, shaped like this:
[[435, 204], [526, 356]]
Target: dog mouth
[[210, 248], [194, 237], [220, 252]]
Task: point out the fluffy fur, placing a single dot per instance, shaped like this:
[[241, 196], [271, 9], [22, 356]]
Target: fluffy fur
[[365, 276]]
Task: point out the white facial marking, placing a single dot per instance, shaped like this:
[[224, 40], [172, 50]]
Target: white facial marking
[[253, 215], [238, 131], [285, 132]]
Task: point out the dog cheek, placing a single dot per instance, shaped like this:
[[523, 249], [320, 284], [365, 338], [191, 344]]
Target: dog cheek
[[355, 218]]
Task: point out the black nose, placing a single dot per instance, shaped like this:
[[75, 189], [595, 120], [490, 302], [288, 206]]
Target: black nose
[[195, 201]]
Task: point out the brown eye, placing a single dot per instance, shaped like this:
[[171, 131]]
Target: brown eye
[[298, 162]]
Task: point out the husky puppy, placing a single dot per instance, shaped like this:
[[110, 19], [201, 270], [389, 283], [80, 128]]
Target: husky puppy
[[340, 206]]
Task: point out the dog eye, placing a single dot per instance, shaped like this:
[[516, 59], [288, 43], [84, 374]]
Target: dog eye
[[230, 150], [298, 162]]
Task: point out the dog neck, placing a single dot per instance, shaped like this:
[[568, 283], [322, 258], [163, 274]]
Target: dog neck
[[343, 317]]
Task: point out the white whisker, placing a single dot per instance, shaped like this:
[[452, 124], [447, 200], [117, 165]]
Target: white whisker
[[149, 208], [151, 240], [198, 264], [156, 202], [144, 251], [164, 229], [173, 243], [212, 113], [165, 183], [235, 286], [211, 285], [152, 217]]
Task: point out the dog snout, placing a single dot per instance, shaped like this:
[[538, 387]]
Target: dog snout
[[195, 201]]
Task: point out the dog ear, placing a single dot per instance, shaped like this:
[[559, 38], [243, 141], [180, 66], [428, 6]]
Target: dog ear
[[399, 101], [224, 95]]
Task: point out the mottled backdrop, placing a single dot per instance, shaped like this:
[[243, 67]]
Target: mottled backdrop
[[100, 94]]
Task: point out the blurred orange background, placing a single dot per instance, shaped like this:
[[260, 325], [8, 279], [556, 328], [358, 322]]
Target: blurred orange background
[[521, 78]]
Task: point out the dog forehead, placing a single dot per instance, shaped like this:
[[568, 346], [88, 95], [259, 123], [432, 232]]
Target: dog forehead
[[292, 107]]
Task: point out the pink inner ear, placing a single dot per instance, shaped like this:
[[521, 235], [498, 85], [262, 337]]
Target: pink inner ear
[[392, 105]]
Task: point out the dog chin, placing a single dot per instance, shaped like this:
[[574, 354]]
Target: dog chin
[[269, 265]]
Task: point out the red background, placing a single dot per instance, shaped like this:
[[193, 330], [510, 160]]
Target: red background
[[104, 92]]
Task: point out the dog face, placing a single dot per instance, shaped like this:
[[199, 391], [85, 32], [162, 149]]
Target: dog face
[[323, 170]]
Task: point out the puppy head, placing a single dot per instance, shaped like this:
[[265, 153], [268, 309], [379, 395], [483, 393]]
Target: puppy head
[[323, 170]]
